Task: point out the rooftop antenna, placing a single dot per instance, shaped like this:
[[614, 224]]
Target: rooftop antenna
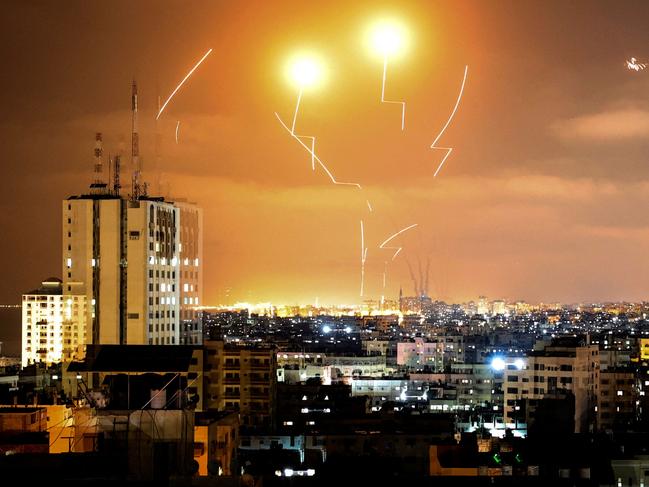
[[135, 144], [98, 185]]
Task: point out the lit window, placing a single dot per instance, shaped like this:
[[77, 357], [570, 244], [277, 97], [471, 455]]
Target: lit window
[[620, 393], [69, 263], [185, 287], [196, 261]]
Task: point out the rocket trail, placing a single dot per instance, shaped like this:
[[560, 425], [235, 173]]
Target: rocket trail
[[457, 103], [164, 105], [369, 206], [310, 137], [383, 100], [363, 259], [634, 65], [177, 127], [387, 240], [314, 156]]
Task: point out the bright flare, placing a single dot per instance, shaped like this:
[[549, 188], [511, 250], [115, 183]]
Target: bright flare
[[388, 38], [634, 65], [305, 72]]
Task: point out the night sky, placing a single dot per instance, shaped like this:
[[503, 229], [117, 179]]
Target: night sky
[[544, 197]]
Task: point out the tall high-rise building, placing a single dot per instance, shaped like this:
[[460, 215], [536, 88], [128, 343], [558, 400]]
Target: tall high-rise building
[[137, 259], [122, 254], [191, 273], [53, 325]]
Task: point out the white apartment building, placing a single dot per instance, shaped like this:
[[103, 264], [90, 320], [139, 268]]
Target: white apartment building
[[434, 353], [53, 325]]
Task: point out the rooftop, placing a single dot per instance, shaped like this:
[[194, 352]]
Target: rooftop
[[135, 358]]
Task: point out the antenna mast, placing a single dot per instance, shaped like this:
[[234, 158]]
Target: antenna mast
[[135, 144], [98, 185]]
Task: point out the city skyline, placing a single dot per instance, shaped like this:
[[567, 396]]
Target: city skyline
[[544, 205]]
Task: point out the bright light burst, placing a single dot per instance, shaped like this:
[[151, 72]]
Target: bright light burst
[[305, 71], [634, 65], [388, 39]]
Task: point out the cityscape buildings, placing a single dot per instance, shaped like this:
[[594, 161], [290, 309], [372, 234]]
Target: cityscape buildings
[[427, 367]]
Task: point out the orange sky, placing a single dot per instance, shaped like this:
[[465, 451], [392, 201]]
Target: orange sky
[[542, 199]]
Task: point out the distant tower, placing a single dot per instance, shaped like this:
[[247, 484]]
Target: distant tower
[[98, 185], [400, 299], [135, 144]]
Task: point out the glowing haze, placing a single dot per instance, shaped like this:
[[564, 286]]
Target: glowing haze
[[543, 198]]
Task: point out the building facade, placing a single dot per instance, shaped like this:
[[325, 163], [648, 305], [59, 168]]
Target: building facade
[[138, 262], [242, 379], [53, 325], [190, 272], [549, 370]]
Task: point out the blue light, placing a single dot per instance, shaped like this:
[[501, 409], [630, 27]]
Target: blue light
[[498, 364], [326, 329]]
